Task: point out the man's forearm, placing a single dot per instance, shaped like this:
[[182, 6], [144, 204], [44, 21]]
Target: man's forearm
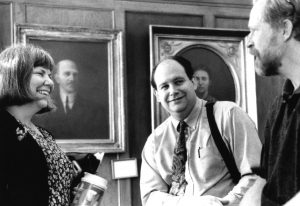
[[237, 193], [294, 201], [253, 195], [158, 198]]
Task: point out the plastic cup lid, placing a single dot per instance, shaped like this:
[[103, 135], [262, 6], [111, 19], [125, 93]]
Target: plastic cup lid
[[95, 180]]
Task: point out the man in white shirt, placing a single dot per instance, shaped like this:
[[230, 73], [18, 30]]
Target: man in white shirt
[[66, 77], [207, 179]]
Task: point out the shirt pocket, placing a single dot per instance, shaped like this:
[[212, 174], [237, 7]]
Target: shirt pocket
[[210, 163]]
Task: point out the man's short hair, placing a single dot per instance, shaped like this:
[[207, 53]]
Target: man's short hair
[[16, 66], [186, 64], [278, 10]]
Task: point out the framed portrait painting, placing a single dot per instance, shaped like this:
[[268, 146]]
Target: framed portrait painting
[[220, 52], [89, 86]]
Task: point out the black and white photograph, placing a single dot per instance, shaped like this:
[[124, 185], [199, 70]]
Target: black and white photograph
[[150, 102]]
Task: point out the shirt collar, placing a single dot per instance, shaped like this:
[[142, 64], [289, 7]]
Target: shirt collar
[[289, 90], [192, 118], [63, 96]]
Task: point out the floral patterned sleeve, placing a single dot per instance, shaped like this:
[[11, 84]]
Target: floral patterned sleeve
[[61, 169]]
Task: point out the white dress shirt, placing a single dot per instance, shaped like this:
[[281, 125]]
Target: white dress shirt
[[71, 99], [206, 172]]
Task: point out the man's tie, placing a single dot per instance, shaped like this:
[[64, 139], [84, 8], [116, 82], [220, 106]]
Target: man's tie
[[179, 159], [67, 105]]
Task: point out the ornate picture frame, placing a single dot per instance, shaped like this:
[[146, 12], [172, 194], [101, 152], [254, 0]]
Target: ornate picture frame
[[99, 57], [222, 50]]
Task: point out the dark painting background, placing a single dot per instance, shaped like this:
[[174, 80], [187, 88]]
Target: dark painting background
[[222, 84], [91, 59]]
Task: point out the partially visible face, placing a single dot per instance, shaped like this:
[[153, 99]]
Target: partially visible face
[[264, 42], [201, 81], [67, 76], [175, 90], [41, 86]]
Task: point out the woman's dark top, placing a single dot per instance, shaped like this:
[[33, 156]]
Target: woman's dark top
[[34, 171]]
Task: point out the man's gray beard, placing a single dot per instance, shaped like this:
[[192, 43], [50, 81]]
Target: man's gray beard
[[268, 65], [270, 68]]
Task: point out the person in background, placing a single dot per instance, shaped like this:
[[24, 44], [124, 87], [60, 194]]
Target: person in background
[[82, 118], [34, 170], [202, 178], [66, 77], [274, 40], [202, 82]]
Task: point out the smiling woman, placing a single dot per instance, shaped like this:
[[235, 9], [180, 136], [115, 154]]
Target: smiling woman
[[41, 85], [36, 164]]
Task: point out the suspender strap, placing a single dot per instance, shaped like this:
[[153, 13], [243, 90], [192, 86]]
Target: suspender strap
[[225, 153]]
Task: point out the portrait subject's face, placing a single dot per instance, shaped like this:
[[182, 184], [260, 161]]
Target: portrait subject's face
[[264, 42], [67, 76], [201, 81], [175, 91], [41, 85]]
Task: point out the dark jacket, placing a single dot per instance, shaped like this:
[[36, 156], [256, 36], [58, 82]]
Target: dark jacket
[[87, 120], [23, 167], [281, 151]]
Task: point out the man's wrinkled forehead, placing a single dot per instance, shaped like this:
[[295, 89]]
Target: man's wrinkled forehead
[[163, 73], [67, 67], [168, 63], [257, 13]]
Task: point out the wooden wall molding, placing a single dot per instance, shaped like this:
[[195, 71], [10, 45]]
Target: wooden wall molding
[[235, 22], [69, 15], [6, 27], [214, 3]]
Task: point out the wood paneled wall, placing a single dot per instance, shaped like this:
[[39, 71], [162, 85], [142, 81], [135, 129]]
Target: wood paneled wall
[[5, 24], [134, 18]]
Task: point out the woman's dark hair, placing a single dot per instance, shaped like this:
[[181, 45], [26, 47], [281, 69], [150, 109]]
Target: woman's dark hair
[[181, 60], [16, 67]]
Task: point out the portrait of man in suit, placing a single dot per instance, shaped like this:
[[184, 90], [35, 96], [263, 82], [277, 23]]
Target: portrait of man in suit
[[76, 115]]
